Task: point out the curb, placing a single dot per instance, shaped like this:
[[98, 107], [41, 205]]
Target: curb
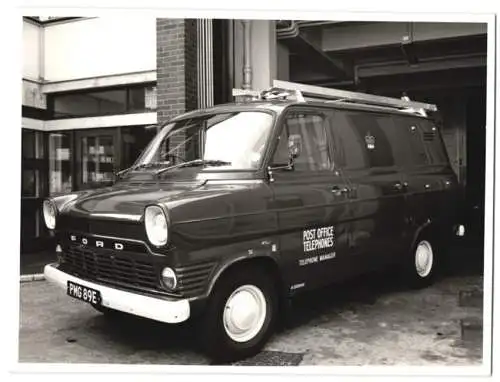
[[33, 277]]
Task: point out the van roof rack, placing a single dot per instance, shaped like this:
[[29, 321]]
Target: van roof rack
[[303, 93]]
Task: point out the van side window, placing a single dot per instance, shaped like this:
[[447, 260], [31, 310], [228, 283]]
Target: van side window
[[348, 150], [308, 131], [360, 140]]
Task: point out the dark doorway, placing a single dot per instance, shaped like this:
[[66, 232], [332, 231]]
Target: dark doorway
[[222, 61], [476, 156]]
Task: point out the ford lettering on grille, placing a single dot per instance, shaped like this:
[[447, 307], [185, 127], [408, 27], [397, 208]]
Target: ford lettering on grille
[[97, 242]]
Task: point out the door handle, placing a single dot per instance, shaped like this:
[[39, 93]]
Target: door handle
[[401, 186], [339, 191]]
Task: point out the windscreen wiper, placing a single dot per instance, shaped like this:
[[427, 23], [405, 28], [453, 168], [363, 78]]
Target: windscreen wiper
[[128, 169], [195, 162], [138, 166]]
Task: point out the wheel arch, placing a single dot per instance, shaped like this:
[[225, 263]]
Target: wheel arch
[[427, 228], [265, 262]]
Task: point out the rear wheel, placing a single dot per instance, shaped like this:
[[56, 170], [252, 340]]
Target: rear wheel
[[421, 265], [240, 316]]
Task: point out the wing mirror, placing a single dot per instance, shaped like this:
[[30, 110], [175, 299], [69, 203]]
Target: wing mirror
[[294, 145]]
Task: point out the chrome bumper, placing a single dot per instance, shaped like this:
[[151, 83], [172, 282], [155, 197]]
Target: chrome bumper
[[139, 305]]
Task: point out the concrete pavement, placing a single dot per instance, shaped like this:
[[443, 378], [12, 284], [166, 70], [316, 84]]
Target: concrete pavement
[[33, 263], [369, 321]]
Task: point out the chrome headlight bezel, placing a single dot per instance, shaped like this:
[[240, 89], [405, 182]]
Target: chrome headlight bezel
[[50, 212], [157, 236]]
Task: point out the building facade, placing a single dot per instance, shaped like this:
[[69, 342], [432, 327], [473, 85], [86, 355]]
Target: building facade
[[89, 106], [94, 88]]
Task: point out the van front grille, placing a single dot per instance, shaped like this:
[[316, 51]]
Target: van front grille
[[193, 279], [127, 271], [109, 267]]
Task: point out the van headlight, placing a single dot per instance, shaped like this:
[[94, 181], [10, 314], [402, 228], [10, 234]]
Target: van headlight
[[49, 213], [156, 225]]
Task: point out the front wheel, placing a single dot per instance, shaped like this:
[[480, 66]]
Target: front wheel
[[240, 316]]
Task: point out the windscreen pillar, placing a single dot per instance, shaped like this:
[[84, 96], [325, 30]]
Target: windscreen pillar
[[255, 54]]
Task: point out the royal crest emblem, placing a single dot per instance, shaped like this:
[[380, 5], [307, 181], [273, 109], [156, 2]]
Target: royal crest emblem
[[370, 141]]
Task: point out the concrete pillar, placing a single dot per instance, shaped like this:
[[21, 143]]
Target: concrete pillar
[[247, 55], [283, 62], [264, 53]]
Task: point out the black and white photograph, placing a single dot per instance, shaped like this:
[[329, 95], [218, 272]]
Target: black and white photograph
[[340, 220]]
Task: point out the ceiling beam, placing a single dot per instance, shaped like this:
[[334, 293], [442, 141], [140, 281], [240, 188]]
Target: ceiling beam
[[430, 65], [339, 67], [345, 37], [451, 79], [307, 45]]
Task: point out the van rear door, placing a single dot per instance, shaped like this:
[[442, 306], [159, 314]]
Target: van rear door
[[364, 149], [432, 184]]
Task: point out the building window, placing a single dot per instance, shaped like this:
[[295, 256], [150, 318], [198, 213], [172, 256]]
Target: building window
[[59, 163], [29, 182], [136, 99], [33, 181], [90, 104], [97, 159], [142, 99], [32, 163], [134, 140]]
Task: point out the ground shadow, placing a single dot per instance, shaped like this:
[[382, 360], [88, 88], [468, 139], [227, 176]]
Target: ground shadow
[[463, 259]]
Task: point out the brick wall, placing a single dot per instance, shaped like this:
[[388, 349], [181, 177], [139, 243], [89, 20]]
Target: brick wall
[[176, 67]]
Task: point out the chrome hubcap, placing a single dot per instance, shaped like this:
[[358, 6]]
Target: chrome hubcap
[[244, 313], [424, 258]]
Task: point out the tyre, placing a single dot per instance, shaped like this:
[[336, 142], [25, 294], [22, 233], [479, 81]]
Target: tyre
[[241, 315], [421, 265]]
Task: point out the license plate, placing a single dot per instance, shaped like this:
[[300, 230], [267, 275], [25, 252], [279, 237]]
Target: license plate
[[84, 293]]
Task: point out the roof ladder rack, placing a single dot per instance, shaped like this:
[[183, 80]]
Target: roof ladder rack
[[310, 92]]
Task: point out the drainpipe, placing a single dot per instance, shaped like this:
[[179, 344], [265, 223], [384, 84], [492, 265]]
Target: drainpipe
[[41, 57], [289, 31], [247, 62]]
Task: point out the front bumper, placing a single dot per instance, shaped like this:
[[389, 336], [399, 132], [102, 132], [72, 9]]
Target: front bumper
[[169, 311]]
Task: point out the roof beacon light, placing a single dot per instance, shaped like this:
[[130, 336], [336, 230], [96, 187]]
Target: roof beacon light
[[280, 93], [420, 111]]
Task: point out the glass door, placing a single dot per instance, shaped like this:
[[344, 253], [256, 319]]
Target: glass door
[[34, 171], [60, 163], [97, 158]]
